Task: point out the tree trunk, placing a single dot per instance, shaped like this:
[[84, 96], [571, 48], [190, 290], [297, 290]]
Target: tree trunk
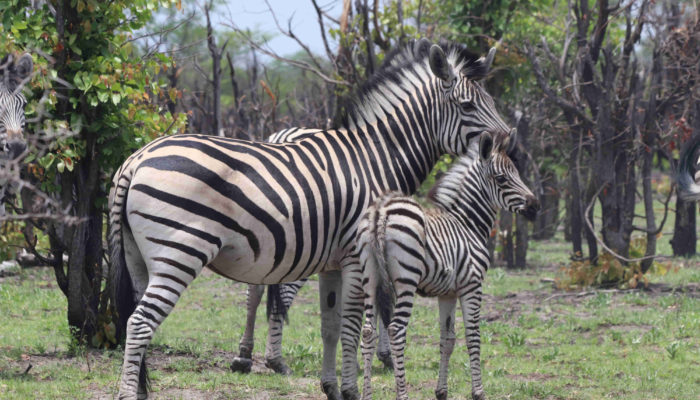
[[547, 221], [79, 191], [522, 163], [506, 232], [576, 225]]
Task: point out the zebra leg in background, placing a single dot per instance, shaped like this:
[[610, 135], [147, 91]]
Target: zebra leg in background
[[447, 342], [330, 294], [470, 300], [353, 307], [384, 350], [244, 361], [273, 349]]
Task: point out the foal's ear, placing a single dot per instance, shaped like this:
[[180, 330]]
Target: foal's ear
[[485, 146], [511, 141], [438, 63]]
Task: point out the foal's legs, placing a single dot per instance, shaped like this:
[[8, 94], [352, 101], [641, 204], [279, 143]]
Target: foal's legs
[[447, 342], [470, 300]]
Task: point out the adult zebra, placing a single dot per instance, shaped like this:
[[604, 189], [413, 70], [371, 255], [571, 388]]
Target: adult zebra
[[13, 76], [185, 202], [406, 248], [689, 170], [280, 298]]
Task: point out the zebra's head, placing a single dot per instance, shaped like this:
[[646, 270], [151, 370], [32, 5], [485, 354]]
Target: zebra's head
[[13, 75], [503, 185], [466, 109]]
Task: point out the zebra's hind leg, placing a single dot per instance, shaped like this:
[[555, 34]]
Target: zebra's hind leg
[[369, 332], [273, 349], [156, 304], [244, 362], [397, 332], [330, 293], [447, 342], [470, 300]]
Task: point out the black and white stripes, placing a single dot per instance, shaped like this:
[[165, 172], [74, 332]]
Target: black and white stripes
[[689, 170], [407, 248], [267, 213]]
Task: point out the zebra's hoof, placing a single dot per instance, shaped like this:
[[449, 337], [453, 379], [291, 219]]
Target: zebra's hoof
[[242, 365], [331, 390], [478, 394], [441, 394], [278, 365], [351, 394], [385, 358]]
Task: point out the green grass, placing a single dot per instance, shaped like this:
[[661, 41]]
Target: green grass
[[537, 342]]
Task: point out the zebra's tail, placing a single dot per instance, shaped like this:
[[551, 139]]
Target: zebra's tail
[[385, 294], [688, 165], [122, 294], [275, 305]]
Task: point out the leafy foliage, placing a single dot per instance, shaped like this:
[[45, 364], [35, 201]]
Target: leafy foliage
[[112, 89], [609, 271]]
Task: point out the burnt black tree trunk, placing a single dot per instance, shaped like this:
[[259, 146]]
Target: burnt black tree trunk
[[80, 188], [522, 164]]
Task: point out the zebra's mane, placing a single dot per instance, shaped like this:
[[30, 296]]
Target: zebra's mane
[[448, 187], [409, 60]]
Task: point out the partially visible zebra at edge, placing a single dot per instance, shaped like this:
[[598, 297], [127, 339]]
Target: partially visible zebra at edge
[[184, 202], [689, 170], [14, 73], [407, 248]]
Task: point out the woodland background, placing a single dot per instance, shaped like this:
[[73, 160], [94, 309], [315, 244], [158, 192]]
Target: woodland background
[[603, 93]]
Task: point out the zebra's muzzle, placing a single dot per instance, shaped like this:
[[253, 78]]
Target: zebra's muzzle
[[530, 209], [15, 148]]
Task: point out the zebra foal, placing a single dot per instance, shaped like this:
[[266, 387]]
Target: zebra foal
[[406, 248]]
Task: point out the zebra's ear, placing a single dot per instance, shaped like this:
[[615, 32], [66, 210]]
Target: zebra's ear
[[420, 48], [14, 73], [480, 69], [24, 67], [485, 146], [438, 63], [511, 141]]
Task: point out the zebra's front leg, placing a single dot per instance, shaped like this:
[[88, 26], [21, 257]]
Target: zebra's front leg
[[330, 293], [447, 342], [470, 300], [353, 306], [244, 361]]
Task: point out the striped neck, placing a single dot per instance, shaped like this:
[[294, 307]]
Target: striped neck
[[464, 193], [398, 117]]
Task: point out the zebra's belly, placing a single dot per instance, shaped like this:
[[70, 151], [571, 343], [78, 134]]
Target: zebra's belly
[[239, 263]]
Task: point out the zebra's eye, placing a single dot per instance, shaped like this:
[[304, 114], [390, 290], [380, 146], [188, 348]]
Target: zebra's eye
[[501, 179], [468, 106]]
